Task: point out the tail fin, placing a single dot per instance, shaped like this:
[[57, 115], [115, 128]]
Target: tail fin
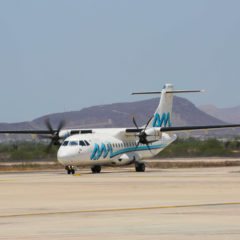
[[162, 115], [164, 110]]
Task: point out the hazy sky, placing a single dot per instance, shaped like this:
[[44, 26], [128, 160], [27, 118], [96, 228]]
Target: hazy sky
[[65, 55]]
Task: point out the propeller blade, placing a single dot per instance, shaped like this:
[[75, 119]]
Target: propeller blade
[[149, 148], [148, 122], [61, 125], [48, 124], [142, 135], [134, 121], [55, 133], [152, 141]]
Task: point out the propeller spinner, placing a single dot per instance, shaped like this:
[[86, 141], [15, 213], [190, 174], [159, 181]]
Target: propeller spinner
[[142, 134]]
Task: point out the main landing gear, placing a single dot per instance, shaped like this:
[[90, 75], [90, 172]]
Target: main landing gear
[[96, 169], [70, 169], [140, 167]]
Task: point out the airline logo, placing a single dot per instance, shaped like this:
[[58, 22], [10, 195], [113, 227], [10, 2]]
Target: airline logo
[[99, 151], [104, 150], [165, 119]]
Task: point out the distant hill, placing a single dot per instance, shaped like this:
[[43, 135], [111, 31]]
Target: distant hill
[[230, 115], [119, 115]]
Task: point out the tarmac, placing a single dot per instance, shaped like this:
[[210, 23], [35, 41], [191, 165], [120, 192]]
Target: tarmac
[[119, 203]]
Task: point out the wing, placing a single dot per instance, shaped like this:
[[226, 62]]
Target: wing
[[185, 128], [28, 132], [197, 128]]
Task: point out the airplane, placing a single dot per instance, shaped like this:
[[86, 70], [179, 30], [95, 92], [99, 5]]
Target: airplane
[[118, 146]]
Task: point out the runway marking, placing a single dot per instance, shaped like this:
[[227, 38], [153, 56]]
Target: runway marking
[[8, 180], [119, 209]]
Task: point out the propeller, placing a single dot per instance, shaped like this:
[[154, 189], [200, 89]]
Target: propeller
[[142, 134], [54, 138]]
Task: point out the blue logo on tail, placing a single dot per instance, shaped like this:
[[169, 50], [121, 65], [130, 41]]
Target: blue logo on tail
[[165, 119]]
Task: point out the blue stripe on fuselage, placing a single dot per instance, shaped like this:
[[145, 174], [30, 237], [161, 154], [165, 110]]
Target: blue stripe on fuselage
[[132, 149], [98, 152]]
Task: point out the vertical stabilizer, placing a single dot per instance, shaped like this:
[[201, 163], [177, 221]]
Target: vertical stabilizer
[[162, 115]]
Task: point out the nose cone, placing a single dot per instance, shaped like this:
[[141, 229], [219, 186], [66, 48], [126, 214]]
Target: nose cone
[[64, 155]]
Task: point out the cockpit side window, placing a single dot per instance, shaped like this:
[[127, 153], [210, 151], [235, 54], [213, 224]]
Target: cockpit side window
[[87, 143], [65, 143], [73, 143], [82, 143]]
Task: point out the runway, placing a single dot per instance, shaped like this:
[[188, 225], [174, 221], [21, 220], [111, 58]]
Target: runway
[[192, 203]]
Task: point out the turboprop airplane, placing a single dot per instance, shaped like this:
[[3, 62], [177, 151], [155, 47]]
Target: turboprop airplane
[[118, 146]]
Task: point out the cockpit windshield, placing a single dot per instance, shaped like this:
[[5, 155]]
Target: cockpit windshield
[[65, 143], [73, 143], [76, 143], [82, 143]]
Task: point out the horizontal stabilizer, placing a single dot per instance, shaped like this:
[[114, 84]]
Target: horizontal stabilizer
[[173, 91]]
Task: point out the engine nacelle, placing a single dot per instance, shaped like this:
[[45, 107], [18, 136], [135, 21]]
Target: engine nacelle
[[153, 134], [64, 133]]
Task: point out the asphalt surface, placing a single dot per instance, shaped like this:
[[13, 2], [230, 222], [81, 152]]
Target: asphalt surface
[[196, 203]]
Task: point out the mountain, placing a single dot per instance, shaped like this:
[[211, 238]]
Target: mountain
[[230, 115], [118, 115]]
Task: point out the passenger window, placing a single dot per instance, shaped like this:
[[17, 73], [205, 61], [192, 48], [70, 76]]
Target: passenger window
[[65, 143], [73, 143], [82, 143], [87, 143]]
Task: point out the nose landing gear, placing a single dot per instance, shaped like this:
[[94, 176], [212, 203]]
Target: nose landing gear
[[70, 169]]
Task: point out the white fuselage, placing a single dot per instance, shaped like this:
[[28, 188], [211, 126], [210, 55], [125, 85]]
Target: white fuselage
[[108, 147]]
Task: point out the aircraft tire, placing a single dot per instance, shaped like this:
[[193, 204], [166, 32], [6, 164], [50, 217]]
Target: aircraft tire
[[140, 167], [70, 170], [96, 169]]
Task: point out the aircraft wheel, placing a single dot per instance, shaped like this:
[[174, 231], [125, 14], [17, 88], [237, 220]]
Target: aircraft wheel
[[96, 169], [140, 167], [70, 170]]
